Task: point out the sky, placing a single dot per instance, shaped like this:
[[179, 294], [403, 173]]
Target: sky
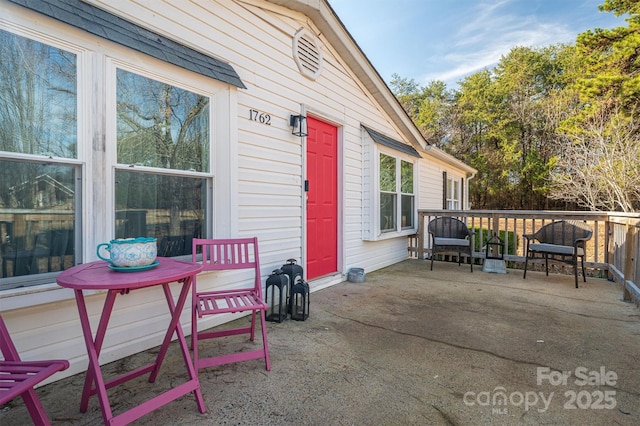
[[446, 40]]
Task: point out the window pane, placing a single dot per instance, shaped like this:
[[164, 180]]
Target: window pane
[[160, 125], [406, 170], [387, 212], [407, 211], [387, 173], [37, 218], [169, 208], [37, 98]]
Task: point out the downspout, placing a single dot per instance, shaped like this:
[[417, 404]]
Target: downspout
[[469, 177]]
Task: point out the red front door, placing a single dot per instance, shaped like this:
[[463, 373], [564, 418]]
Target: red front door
[[322, 198]]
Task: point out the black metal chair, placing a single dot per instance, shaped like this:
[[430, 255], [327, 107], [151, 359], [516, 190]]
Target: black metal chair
[[450, 235], [565, 241]]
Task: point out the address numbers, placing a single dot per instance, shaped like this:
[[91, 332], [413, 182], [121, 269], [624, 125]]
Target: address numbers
[[260, 117]]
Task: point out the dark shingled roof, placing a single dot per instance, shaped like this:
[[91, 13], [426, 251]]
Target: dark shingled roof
[[103, 24], [392, 143]]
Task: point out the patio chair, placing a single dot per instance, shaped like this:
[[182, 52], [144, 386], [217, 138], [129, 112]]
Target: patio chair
[[18, 378], [25, 254], [450, 235], [229, 254], [564, 240]]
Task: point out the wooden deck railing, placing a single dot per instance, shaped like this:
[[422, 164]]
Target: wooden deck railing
[[612, 252]]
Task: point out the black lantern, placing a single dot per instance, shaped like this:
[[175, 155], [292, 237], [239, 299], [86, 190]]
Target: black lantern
[[494, 248], [298, 125], [494, 256], [277, 303], [294, 272], [300, 301]]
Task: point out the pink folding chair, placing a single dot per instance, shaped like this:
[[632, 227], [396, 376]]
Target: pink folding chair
[[229, 254], [18, 378]]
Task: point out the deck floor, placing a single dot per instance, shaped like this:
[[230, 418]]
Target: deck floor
[[414, 347]]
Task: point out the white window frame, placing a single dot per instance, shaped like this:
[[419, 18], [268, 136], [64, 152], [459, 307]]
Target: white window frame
[[96, 152], [169, 74], [371, 192], [453, 194], [46, 280]]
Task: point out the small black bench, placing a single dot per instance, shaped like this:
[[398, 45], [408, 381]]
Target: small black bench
[[564, 240]]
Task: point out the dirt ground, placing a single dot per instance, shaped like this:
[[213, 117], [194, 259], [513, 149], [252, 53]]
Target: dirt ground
[[410, 346]]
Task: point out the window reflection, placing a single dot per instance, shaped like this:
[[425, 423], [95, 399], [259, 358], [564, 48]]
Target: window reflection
[[38, 98], [38, 116], [160, 125], [387, 212], [406, 182], [165, 129], [387, 173], [396, 185], [169, 208], [37, 218]]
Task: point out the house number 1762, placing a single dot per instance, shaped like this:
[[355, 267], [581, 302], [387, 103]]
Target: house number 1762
[[260, 117]]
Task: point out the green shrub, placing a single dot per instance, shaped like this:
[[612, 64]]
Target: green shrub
[[509, 248]]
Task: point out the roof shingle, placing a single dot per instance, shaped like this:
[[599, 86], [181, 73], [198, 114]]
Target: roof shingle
[[103, 24], [392, 143]]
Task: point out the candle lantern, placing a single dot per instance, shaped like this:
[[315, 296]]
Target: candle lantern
[[294, 272], [494, 248], [494, 256], [299, 302], [277, 295]]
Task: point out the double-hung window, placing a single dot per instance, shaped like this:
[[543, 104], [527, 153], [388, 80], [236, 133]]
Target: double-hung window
[[397, 198], [452, 192], [93, 147], [40, 168], [163, 167], [388, 190]]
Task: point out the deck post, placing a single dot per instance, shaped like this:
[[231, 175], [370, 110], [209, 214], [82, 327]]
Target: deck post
[[420, 248], [609, 242], [629, 259]]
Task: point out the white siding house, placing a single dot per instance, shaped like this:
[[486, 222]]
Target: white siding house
[[247, 66]]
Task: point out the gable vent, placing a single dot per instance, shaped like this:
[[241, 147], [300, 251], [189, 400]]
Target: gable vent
[[307, 55]]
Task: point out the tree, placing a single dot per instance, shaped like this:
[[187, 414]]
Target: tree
[[612, 59], [505, 126], [427, 106], [527, 79], [547, 126], [600, 165], [600, 161], [409, 94], [474, 138]]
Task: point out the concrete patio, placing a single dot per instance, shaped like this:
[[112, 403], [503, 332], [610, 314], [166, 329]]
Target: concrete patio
[[412, 346]]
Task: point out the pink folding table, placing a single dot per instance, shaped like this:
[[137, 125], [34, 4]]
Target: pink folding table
[[98, 276]]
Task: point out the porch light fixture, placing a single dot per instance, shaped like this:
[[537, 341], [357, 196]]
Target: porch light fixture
[[298, 125]]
